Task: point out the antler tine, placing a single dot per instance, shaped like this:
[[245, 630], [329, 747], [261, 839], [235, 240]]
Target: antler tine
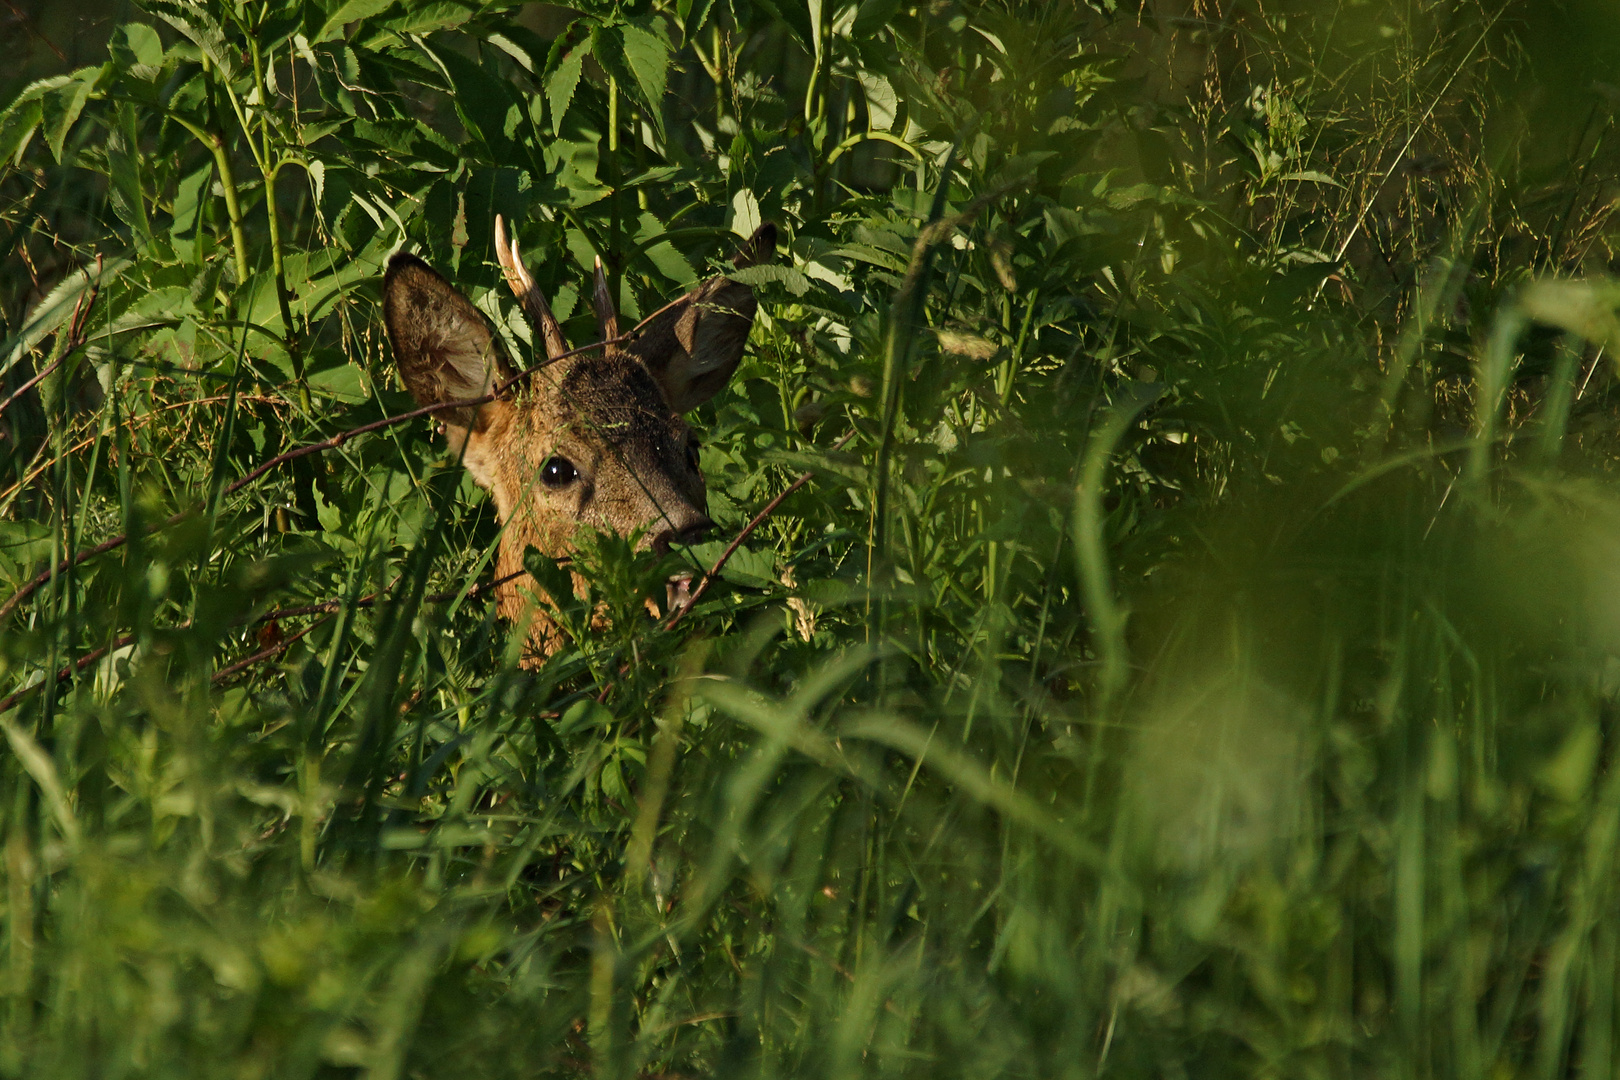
[[606, 316], [528, 293]]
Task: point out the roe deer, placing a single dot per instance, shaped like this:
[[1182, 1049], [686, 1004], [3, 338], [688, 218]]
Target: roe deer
[[595, 440]]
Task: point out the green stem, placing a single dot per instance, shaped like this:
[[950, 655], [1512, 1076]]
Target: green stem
[[227, 182], [614, 223]]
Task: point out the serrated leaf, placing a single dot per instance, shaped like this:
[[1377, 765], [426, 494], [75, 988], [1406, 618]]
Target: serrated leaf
[[647, 55], [692, 14], [63, 106], [17, 127], [350, 11], [882, 103], [199, 27], [561, 82], [428, 18]]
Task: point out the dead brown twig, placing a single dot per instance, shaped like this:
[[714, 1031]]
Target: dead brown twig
[[747, 531]]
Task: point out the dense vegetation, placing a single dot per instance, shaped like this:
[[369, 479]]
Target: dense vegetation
[[1202, 658]]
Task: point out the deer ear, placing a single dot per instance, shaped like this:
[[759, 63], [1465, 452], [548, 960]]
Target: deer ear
[[443, 345], [692, 348]]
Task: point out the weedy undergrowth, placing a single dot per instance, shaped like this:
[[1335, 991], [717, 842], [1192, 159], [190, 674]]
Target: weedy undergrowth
[[1193, 650]]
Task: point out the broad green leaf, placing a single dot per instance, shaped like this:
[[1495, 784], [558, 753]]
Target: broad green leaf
[[647, 55], [351, 11], [62, 106], [198, 25], [428, 18], [663, 255], [791, 277], [17, 128], [561, 82], [873, 16], [137, 48], [745, 216], [882, 103]]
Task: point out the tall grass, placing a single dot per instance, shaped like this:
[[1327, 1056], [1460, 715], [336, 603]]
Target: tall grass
[[1200, 659]]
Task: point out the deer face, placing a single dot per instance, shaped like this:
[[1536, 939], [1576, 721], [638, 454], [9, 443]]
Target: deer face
[[596, 439]]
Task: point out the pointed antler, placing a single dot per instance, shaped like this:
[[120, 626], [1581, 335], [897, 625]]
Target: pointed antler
[[602, 299], [527, 292]]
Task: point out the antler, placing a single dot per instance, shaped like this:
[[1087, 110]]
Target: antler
[[528, 293], [602, 299]]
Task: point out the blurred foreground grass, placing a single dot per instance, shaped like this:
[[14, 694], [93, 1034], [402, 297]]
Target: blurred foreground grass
[[1202, 660]]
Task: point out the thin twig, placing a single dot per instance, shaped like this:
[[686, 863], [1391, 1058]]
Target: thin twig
[[66, 673], [264, 654], [747, 530], [35, 583]]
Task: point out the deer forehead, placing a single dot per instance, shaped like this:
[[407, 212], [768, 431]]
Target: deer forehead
[[602, 405]]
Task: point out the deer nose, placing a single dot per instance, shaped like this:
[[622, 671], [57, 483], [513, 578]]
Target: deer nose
[[687, 531]]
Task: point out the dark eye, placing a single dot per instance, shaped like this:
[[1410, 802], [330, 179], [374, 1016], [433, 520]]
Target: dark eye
[[558, 472], [692, 454]]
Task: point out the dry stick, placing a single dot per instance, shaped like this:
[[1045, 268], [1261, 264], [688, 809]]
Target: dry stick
[[747, 530], [35, 583], [264, 654], [75, 339], [66, 673]]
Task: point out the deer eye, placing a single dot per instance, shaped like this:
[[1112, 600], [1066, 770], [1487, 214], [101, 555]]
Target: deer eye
[[558, 472]]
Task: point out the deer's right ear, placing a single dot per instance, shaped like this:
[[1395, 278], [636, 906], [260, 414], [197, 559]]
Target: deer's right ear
[[443, 345]]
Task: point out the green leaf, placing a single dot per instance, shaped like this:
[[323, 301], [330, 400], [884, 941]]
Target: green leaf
[[17, 128], [648, 57], [692, 14], [428, 18], [561, 82], [136, 48], [351, 11], [882, 103], [745, 216], [199, 27], [63, 106], [1312, 175], [872, 16]]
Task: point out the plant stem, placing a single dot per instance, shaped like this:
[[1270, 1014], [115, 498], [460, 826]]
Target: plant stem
[[615, 226], [227, 183]]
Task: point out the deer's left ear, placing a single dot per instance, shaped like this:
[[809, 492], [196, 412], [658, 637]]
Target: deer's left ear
[[693, 348]]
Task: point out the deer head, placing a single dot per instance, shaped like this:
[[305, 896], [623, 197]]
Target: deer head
[[596, 439]]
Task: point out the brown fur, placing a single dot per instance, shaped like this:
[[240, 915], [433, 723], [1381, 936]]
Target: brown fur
[[612, 414]]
